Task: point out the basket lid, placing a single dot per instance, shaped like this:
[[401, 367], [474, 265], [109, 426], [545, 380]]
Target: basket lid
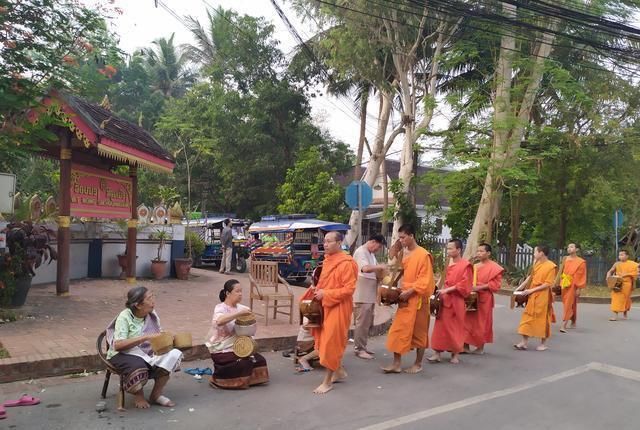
[[246, 318], [244, 346]]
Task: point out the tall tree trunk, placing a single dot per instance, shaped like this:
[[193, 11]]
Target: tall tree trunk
[[515, 228], [373, 167], [409, 104], [482, 225], [507, 133], [385, 198], [364, 99], [564, 213]]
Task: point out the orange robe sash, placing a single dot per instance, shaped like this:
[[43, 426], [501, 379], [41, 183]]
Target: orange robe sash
[[575, 272], [338, 282], [621, 301], [479, 324], [449, 330], [410, 327], [538, 314]]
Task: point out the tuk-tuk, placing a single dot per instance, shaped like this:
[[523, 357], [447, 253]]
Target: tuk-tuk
[[294, 241], [210, 230]]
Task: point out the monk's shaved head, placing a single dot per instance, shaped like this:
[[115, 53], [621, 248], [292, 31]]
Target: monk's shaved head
[[335, 235], [333, 242]]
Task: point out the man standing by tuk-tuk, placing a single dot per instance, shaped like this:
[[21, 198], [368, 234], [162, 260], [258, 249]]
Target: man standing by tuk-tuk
[[226, 243]]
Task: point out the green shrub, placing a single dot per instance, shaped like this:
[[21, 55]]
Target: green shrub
[[197, 244]]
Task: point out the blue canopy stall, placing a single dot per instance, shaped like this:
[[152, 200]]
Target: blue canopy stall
[[294, 241]]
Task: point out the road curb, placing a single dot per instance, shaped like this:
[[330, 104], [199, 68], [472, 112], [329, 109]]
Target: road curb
[[47, 365], [582, 299]]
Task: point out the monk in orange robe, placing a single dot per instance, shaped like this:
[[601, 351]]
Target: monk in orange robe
[[335, 290], [538, 314], [410, 328], [487, 279], [449, 330], [572, 279], [628, 270]]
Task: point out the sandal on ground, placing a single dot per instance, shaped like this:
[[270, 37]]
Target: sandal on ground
[[301, 369], [22, 401], [563, 330], [519, 347]]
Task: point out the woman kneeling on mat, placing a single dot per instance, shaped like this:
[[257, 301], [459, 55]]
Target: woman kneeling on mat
[[130, 351], [230, 369]]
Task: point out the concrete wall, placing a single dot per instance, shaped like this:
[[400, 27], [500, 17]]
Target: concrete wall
[[111, 243], [77, 269], [146, 251]]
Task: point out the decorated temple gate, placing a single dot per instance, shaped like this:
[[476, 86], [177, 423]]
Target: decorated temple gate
[[93, 143]]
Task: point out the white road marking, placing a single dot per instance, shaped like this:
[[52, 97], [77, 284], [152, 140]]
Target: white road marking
[[617, 371], [600, 367]]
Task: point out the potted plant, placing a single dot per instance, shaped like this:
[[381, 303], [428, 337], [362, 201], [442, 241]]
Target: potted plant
[[194, 247], [158, 265], [29, 247], [183, 265]]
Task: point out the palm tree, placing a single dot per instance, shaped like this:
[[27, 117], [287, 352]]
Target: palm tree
[[168, 67], [234, 48], [204, 50]]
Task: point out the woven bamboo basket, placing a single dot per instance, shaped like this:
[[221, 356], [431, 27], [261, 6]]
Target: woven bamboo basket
[[182, 340], [162, 343], [245, 346]]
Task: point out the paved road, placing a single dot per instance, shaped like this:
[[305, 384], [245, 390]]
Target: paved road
[[589, 379]]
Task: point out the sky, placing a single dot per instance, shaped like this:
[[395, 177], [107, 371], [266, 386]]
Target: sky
[[141, 23]]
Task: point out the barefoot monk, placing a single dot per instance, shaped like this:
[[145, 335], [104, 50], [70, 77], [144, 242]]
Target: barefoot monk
[[335, 291], [628, 271], [487, 278], [449, 329], [572, 279], [410, 326], [538, 314]]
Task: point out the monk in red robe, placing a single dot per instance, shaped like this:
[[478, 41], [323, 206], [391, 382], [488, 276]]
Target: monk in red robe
[[449, 330], [487, 279], [335, 290], [410, 328], [572, 279]]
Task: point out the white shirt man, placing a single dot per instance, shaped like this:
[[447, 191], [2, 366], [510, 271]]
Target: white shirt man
[[364, 298]]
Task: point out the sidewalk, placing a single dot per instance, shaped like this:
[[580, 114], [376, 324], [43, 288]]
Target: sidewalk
[[58, 335]]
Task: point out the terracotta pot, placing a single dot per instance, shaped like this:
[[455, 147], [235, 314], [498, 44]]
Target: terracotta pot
[[158, 269], [183, 265], [123, 262]]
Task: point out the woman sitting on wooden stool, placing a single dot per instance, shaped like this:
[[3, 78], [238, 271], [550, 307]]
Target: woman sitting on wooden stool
[[230, 342], [130, 351]]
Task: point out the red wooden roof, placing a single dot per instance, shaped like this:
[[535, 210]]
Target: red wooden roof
[[114, 137]]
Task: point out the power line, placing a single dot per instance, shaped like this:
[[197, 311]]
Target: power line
[[484, 30], [629, 56], [251, 39], [309, 52]]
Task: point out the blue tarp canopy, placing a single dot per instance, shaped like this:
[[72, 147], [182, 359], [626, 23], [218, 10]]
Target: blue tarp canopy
[[286, 225]]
